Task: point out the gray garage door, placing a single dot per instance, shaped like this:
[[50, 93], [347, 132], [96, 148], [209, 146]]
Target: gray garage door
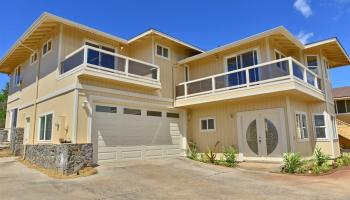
[[122, 132]]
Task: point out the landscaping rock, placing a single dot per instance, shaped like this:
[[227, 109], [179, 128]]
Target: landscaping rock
[[16, 141], [3, 136], [65, 158]]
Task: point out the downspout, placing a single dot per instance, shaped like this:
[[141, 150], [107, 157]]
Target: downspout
[[36, 97]]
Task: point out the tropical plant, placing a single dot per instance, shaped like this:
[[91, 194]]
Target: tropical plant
[[230, 156], [343, 160], [210, 156], [320, 158], [292, 161], [192, 152]]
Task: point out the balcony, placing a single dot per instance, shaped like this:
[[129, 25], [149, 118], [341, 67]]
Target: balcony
[[283, 75], [94, 62]]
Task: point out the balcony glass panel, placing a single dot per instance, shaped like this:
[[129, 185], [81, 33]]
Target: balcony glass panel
[[141, 69], [180, 90], [199, 86], [269, 71], [230, 80], [72, 62], [310, 78], [298, 71]]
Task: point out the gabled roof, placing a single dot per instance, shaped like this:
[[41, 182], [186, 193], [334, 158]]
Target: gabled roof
[[277, 30], [333, 49], [46, 22], [164, 35], [341, 92]]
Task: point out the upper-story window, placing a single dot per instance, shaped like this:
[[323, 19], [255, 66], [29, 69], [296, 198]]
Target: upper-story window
[[34, 58], [187, 73], [17, 76], [47, 47], [342, 106], [162, 51], [312, 63], [281, 65]]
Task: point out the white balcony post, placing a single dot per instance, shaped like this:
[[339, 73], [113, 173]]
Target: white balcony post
[[304, 75], [290, 63], [158, 73], [247, 77], [85, 55], [213, 84], [315, 81], [127, 66], [185, 89]]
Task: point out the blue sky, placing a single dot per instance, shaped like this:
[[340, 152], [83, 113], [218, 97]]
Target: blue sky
[[206, 24]]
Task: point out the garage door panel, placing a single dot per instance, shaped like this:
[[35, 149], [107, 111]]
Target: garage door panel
[[126, 136]]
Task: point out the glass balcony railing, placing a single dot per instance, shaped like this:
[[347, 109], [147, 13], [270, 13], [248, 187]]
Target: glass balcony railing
[[264, 73], [103, 60]]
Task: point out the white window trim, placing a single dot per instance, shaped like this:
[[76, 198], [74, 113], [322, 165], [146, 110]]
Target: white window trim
[[42, 48], [15, 71], [307, 127], [335, 128], [31, 57], [161, 56], [100, 44], [186, 71], [314, 127], [52, 126], [318, 63], [241, 52], [207, 130], [279, 52]]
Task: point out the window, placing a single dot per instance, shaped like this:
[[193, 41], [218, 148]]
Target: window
[[281, 65], [162, 51], [187, 73], [342, 106], [14, 118], [45, 127], [320, 126], [47, 47], [312, 63], [17, 76], [173, 115], [33, 58], [154, 113], [334, 128], [240, 61], [130, 111], [207, 124], [302, 126], [106, 109]]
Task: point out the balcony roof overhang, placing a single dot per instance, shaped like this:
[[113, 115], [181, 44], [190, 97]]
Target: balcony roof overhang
[[281, 34], [332, 49], [38, 31]]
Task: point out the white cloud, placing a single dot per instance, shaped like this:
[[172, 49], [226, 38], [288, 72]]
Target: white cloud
[[304, 37], [303, 6]]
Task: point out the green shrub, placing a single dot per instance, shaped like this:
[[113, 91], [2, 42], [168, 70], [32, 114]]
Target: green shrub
[[343, 160], [292, 161], [192, 152], [320, 158], [230, 156], [325, 167]]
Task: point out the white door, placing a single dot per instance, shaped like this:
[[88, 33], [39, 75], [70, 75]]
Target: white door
[[122, 132], [26, 130], [262, 133]]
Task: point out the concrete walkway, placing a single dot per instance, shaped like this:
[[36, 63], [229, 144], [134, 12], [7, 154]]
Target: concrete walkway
[[176, 178]]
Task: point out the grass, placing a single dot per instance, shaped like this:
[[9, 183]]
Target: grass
[[87, 171]]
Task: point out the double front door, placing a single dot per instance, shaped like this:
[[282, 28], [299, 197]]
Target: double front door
[[262, 133]]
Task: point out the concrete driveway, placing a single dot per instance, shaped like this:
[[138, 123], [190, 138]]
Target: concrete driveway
[[176, 178]]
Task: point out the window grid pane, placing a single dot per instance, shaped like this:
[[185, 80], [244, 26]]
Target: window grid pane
[[48, 128]]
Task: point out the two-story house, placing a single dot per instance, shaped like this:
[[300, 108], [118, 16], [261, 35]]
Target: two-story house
[[147, 96]]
